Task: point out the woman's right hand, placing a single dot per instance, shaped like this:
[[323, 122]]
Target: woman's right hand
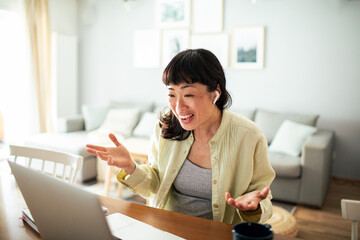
[[117, 156]]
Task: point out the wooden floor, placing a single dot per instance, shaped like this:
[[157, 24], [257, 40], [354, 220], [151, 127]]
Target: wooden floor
[[327, 222]]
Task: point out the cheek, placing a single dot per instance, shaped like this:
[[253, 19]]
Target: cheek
[[171, 104]]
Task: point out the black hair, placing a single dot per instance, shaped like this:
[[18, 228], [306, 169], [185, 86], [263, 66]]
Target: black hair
[[192, 66]]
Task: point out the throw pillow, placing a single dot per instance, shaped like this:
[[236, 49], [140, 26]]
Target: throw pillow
[[120, 121], [290, 138], [269, 121], [94, 116], [146, 125]]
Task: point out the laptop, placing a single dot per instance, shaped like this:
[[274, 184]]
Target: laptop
[[64, 211]]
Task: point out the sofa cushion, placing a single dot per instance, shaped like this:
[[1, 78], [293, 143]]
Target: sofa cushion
[[285, 165], [290, 138], [145, 127], [269, 122], [94, 115], [120, 121], [72, 142]]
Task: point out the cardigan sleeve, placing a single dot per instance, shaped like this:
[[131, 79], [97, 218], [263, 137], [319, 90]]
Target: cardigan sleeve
[[145, 180], [263, 175]]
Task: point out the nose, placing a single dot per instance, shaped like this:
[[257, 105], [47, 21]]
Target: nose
[[180, 104]]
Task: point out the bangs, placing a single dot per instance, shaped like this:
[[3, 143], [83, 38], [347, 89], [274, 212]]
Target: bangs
[[175, 77], [183, 68]]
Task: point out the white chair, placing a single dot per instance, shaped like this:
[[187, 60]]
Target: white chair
[[350, 210], [58, 164]]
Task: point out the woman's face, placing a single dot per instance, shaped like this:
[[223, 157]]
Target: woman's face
[[192, 104]]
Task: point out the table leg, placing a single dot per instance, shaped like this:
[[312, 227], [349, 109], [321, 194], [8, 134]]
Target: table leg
[[108, 178]]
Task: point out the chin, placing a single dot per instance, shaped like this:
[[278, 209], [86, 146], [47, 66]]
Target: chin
[[187, 127]]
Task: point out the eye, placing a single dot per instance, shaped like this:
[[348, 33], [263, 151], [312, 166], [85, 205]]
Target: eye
[[171, 95], [189, 95]]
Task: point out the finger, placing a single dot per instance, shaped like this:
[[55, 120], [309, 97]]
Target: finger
[[229, 199], [264, 192], [244, 205], [114, 140], [91, 151], [102, 156], [249, 206], [241, 205], [227, 195], [94, 152], [97, 148], [231, 202]]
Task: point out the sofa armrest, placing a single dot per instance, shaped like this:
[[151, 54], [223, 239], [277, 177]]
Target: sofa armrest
[[316, 167], [71, 124]]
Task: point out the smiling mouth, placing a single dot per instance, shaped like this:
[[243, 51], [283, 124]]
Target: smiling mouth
[[186, 117]]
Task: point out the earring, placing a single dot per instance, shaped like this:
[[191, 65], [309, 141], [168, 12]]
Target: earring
[[217, 97]]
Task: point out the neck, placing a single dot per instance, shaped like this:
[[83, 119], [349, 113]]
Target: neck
[[205, 132]]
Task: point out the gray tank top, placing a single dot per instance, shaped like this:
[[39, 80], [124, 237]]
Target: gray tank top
[[191, 191]]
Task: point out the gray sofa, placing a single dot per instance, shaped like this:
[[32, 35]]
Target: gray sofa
[[75, 132], [300, 179]]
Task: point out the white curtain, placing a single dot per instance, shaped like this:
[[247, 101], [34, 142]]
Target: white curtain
[[40, 38]]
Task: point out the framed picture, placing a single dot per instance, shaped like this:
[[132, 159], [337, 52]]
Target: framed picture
[[147, 48], [207, 19], [172, 13], [173, 42], [218, 44], [247, 48]]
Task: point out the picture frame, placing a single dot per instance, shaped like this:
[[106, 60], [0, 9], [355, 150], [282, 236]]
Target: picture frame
[[247, 47], [147, 48], [209, 19], [173, 42], [218, 44], [172, 13]]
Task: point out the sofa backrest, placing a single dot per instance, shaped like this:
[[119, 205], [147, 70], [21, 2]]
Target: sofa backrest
[[248, 113], [269, 121], [95, 115]]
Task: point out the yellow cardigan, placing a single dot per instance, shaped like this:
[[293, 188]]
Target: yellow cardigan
[[239, 163]]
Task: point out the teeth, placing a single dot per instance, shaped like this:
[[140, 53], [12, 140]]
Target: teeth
[[186, 116]]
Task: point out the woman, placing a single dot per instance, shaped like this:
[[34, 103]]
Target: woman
[[202, 154]]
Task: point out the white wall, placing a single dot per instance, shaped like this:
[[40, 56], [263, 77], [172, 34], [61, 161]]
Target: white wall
[[63, 22], [63, 16], [105, 56], [64, 75], [312, 62]]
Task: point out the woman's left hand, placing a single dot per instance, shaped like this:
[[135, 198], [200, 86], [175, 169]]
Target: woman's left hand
[[249, 201]]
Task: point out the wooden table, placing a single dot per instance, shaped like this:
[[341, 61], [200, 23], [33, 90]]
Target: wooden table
[[12, 227]]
